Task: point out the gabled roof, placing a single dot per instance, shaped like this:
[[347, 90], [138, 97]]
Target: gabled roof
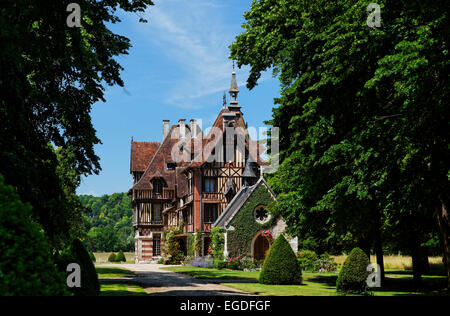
[[141, 154], [238, 201]]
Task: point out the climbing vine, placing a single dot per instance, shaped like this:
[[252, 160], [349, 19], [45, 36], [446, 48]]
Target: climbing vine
[[244, 223], [217, 242]]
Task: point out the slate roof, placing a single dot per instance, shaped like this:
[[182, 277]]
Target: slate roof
[[238, 201]]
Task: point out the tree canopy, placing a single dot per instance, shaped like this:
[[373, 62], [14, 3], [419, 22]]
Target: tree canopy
[[364, 116], [50, 76]]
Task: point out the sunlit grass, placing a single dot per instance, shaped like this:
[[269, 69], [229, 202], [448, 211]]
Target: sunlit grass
[[110, 272], [116, 289]]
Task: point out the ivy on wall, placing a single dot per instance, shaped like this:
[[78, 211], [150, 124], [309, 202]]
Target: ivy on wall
[[190, 245], [245, 226], [217, 242]]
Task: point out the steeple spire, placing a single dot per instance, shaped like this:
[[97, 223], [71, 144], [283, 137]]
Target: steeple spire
[[234, 90]]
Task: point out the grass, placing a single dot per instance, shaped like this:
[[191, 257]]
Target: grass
[[110, 272], [119, 289], [111, 288], [208, 273], [396, 262], [102, 257], [398, 283]]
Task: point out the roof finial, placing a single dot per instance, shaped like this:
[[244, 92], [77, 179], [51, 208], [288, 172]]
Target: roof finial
[[224, 100], [233, 64]]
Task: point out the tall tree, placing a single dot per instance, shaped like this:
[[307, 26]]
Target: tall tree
[[363, 109], [50, 76]]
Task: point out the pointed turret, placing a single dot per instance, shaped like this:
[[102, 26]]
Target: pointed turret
[[248, 174], [234, 91]]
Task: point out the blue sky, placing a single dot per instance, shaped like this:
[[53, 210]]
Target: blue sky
[[177, 68]]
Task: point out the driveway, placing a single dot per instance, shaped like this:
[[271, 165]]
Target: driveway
[[157, 281]]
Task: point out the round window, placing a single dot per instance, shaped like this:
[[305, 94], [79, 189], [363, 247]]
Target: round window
[[261, 214]]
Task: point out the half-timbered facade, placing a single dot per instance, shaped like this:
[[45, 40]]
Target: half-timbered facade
[[189, 178]]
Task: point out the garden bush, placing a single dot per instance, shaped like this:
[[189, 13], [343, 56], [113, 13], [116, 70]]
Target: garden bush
[[112, 257], [220, 264], [120, 257], [310, 261], [281, 265], [91, 254], [77, 253], [203, 262], [217, 242], [26, 264], [307, 260], [353, 275]]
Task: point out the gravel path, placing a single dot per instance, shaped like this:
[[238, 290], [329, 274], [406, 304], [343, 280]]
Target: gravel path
[[157, 281]]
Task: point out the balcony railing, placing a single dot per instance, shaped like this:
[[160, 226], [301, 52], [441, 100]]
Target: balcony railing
[[211, 196], [167, 194]]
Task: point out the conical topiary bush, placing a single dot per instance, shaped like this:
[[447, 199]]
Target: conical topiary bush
[[353, 275], [120, 257], [281, 265], [112, 257]]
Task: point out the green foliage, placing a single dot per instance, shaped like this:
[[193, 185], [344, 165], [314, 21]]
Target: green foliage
[[280, 265], [310, 261], [199, 243], [51, 75], [173, 250], [307, 260], [190, 245], [109, 222], [217, 242], [362, 111], [112, 257], [245, 225], [353, 275], [120, 257], [91, 254], [220, 264], [26, 264], [77, 253], [160, 261]]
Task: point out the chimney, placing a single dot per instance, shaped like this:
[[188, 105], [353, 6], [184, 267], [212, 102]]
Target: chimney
[[193, 127], [166, 128], [182, 125]]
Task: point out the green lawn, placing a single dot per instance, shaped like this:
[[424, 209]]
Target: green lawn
[[117, 289], [207, 273], [109, 272], [398, 283], [111, 288]]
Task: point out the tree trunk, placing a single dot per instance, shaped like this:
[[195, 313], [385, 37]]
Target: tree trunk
[[364, 244], [444, 227], [379, 252]]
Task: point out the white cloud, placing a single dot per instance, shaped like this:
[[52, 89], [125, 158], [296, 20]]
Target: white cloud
[[196, 37]]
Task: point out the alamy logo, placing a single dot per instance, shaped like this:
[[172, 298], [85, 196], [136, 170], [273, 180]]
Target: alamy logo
[[374, 18], [74, 278], [374, 278], [74, 18]]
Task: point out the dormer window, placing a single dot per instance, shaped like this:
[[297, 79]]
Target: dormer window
[[158, 185]]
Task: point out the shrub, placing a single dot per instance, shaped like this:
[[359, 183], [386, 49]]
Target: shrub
[[160, 261], [281, 265], [203, 262], [112, 257], [26, 264], [120, 257], [307, 260], [217, 242], [234, 263], [326, 263], [220, 264], [91, 254], [353, 275], [77, 253], [175, 255]]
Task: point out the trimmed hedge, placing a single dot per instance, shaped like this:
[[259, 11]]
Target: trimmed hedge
[[26, 265], [120, 257], [112, 257], [281, 265], [353, 275], [77, 253]]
